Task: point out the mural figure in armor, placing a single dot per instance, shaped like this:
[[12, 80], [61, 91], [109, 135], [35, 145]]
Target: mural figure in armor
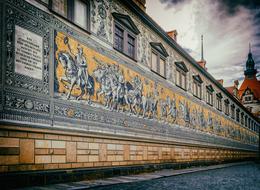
[[76, 73]]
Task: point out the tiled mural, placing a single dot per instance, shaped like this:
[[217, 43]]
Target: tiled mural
[[86, 76]]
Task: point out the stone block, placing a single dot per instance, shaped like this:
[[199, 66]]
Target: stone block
[[26, 151], [59, 151], [58, 144], [42, 159], [77, 165], [102, 152], [36, 135], [82, 145], [82, 158], [42, 144], [41, 151], [94, 146], [71, 151], [93, 158], [50, 166], [3, 133], [64, 137], [3, 168], [8, 160], [111, 158], [111, 147], [19, 134], [51, 136], [83, 152], [9, 150], [126, 152], [58, 159], [9, 142], [68, 165]]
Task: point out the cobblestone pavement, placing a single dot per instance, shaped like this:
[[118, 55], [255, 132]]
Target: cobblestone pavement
[[240, 177]]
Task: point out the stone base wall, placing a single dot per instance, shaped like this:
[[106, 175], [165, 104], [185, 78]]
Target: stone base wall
[[27, 149]]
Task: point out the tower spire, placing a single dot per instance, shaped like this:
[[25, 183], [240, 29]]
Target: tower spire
[[202, 56], [250, 47]]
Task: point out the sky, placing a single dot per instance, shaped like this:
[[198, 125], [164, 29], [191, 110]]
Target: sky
[[228, 26]]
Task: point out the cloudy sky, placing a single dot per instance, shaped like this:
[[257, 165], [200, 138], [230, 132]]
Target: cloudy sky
[[227, 26]]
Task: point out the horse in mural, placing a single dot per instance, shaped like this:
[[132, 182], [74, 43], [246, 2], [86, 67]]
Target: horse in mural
[[74, 76]]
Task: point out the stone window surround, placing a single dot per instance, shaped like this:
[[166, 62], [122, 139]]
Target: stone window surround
[[158, 61], [70, 14], [197, 86]]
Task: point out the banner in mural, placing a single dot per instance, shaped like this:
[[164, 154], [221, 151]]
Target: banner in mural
[[88, 77]]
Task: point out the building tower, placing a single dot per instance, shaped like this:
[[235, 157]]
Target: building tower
[[249, 91], [250, 71]]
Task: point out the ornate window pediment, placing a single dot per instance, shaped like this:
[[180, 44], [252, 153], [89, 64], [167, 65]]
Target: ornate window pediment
[[126, 21], [219, 95], [182, 66], [226, 101], [159, 47], [197, 78], [210, 88]]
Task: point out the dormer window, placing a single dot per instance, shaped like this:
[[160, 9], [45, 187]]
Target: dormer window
[[219, 101], [197, 82], [209, 94], [181, 75], [125, 32], [76, 11], [242, 118], [226, 107], [237, 115], [233, 111], [158, 59]]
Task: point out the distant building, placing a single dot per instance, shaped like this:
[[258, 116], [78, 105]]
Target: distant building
[[249, 92]]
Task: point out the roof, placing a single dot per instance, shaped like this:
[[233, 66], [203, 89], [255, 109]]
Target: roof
[[230, 89], [252, 84]]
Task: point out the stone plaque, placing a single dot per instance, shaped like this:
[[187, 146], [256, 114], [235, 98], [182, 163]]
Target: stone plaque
[[28, 53]]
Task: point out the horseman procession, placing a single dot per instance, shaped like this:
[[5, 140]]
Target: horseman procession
[[114, 92]]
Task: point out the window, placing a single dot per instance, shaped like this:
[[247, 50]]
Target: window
[[246, 121], [158, 60], [232, 111], [77, 11], [197, 86], [119, 38], [242, 118], [227, 107], [219, 101], [158, 64], [181, 72], [125, 33], [209, 94], [237, 115]]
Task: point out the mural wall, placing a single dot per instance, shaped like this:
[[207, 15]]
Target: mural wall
[[88, 77]]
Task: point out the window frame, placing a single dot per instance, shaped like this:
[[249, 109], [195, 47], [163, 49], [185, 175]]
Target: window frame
[[159, 57], [219, 101], [209, 95], [181, 72], [226, 107], [126, 33], [197, 86], [70, 13]]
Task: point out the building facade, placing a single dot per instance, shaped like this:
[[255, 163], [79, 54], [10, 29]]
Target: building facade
[[107, 88], [249, 91]]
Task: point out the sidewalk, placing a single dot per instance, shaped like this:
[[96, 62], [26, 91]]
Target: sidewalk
[[131, 178]]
